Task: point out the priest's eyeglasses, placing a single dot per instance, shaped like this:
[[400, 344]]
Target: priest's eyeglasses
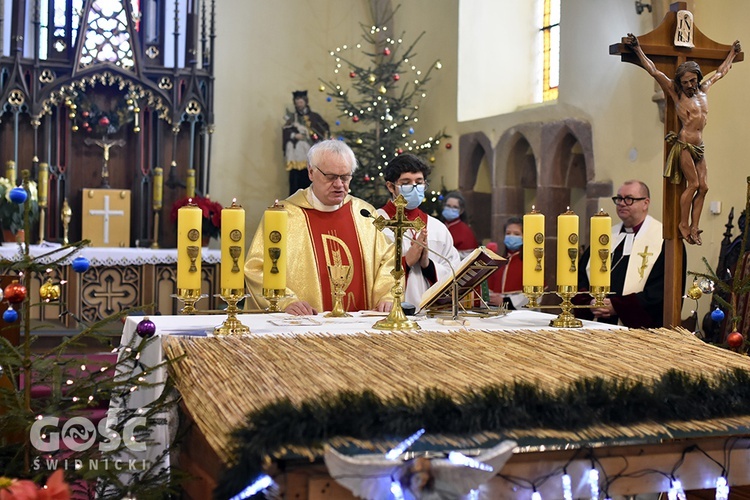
[[345, 178], [628, 200]]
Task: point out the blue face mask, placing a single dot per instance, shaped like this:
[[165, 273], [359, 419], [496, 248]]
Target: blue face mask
[[414, 196], [450, 213], [513, 242]]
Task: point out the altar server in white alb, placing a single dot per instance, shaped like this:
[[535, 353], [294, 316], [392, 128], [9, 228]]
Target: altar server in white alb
[[406, 175]]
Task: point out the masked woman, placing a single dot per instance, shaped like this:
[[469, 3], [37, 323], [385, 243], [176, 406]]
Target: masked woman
[[454, 216], [506, 284]]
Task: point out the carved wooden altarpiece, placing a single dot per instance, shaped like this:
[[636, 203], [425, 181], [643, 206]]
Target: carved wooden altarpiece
[[115, 86]]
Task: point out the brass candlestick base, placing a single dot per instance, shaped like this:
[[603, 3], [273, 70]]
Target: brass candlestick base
[[533, 293], [232, 325], [189, 297], [396, 320], [599, 293], [566, 318], [273, 296]]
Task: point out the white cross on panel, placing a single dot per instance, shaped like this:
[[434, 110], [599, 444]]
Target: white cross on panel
[[106, 212]]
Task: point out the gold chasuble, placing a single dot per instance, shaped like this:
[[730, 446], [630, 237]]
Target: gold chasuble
[[316, 239]]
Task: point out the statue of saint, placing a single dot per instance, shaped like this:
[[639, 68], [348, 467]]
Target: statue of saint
[[302, 129]]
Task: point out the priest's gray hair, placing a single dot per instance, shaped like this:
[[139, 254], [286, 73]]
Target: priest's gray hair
[[331, 146]]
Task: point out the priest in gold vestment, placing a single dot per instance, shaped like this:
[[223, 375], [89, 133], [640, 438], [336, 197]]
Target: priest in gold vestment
[[326, 227]]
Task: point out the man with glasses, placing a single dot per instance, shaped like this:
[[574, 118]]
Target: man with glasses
[[637, 265], [326, 228], [406, 175]]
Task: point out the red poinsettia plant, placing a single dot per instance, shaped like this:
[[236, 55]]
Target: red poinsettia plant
[[211, 226], [23, 489]]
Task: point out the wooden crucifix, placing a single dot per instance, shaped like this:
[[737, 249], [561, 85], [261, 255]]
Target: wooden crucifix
[[105, 144], [675, 41]]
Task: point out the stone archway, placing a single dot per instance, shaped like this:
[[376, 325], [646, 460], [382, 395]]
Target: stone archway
[[475, 155]]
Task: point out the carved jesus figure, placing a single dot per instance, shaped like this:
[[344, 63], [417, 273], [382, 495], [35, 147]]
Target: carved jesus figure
[[688, 92]]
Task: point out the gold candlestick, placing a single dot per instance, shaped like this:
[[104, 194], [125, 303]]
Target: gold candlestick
[[566, 318], [273, 296], [232, 325], [533, 293], [189, 297], [341, 276]]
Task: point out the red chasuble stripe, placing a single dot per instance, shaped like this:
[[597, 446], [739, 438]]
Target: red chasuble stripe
[[335, 241]]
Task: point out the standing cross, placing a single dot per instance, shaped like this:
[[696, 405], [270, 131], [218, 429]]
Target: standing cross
[[105, 144], [659, 46], [106, 212], [396, 320]]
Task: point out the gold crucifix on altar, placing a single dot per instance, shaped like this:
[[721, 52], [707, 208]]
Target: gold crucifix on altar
[[105, 144], [397, 320]]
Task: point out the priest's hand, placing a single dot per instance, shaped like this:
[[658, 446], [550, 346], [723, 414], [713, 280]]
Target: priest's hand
[[384, 306], [300, 308]]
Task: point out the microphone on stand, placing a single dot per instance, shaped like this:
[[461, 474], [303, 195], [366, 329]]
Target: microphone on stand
[[454, 289]]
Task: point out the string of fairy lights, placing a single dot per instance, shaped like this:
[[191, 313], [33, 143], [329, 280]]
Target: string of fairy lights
[[595, 480]]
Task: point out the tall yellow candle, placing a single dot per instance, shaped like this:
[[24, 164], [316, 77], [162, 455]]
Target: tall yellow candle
[[189, 247], [567, 249], [600, 249], [275, 230], [42, 184], [158, 188], [190, 183], [10, 172], [233, 247], [533, 249]]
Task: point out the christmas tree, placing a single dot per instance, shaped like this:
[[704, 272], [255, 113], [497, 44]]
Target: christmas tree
[[57, 425], [380, 100]]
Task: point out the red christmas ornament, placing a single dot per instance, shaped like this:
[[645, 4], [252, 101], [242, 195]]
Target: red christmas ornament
[[396, 77], [103, 121], [386, 51], [15, 293], [367, 178], [734, 339], [352, 74], [85, 114], [399, 151], [448, 146], [355, 118], [315, 137]]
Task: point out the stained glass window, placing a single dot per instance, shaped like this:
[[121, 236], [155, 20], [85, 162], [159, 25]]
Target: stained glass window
[[551, 48], [107, 38]]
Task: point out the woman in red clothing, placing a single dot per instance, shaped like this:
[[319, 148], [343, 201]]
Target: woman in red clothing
[[454, 217], [506, 284]]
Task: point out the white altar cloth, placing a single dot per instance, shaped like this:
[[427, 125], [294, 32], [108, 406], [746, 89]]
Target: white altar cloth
[[281, 324], [104, 256]]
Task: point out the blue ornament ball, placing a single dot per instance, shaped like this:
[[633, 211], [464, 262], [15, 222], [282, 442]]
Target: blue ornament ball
[[18, 195], [411, 130], [329, 99], [80, 264], [717, 315], [10, 315], [145, 329], [338, 122]]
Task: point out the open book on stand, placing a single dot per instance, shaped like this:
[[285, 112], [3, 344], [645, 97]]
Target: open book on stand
[[474, 269]]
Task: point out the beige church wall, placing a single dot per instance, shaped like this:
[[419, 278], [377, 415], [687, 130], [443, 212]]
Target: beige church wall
[[265, 50]]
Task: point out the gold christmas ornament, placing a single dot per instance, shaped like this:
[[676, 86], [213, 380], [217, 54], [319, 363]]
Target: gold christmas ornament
[[49, 292], [432, 159], [382, 89], [322, 88], [371, 78], [695, 292]]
